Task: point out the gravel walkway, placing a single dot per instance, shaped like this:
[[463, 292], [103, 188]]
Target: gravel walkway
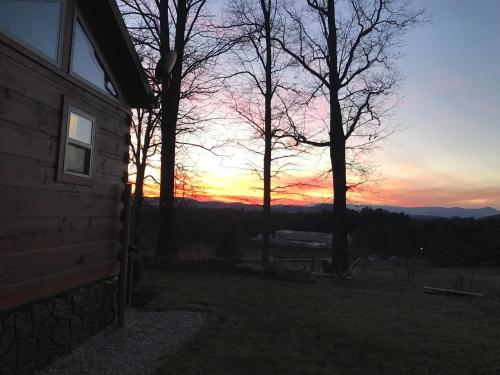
[[137, 349]]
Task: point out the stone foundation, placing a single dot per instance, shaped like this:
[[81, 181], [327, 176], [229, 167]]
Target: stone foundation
[[34, 334]]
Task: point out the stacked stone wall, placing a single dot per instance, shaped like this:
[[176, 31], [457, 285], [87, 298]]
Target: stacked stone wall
[[33, 335]]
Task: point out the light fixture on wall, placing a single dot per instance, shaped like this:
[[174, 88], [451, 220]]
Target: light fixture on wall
[[165, 66]]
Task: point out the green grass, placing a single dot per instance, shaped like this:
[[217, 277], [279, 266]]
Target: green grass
[[261, 326]]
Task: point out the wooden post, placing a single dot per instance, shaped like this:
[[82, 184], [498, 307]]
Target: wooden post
[[122, 301], [365, 267], [130, 277], [471, 275]]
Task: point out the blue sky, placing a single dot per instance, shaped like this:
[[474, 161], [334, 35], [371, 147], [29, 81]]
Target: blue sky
[[450, 142]]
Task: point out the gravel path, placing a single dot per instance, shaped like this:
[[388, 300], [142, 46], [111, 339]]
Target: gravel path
[[137, 349]]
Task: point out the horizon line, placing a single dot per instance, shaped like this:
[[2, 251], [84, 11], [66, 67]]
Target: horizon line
[[249, 201]]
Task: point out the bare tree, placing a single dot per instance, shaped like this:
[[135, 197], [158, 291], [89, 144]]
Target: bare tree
[[157, 26], [260, 93], [348, 47], [145, 140], [143, 147]]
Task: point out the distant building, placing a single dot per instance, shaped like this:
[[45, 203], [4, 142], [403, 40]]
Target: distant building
[[314, 240], [69, 76]]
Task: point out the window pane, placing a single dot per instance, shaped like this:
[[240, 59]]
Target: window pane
[[86, 64], [80, 128], [77, 159], [37, 23]]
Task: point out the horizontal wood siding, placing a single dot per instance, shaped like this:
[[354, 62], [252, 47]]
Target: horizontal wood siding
[[28, 173], [17, 294], [17, 268], [54, 235], [24, 235], [33, 202]]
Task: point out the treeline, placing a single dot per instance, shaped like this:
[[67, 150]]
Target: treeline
[[446, 242]]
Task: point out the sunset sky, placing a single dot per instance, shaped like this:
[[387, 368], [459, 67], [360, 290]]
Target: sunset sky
[[447, 151]]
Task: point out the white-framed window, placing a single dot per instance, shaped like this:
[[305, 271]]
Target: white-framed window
[[79, 143], [35, 24], [86, 63]]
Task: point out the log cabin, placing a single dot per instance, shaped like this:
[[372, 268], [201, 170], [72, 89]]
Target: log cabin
[[69, 76]]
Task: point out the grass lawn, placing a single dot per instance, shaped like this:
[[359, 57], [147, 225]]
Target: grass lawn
[[263, 326]]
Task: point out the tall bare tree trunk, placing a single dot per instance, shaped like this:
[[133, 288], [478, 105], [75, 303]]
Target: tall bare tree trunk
[[165, 208], [141, 159], [337, 152], [266, 8], [338, 160], [253, 25], [138, 200], [170, 108]]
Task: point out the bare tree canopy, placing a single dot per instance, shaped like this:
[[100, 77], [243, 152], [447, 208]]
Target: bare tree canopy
[[349, 49], [184, 26], [256, 84], [144, 146], [342, 53]]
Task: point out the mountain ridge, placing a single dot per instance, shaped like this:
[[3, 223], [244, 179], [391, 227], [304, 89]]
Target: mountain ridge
[[443, 212]]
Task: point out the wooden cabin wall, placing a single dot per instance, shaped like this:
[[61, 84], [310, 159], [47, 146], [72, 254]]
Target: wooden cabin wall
[[54, 235]]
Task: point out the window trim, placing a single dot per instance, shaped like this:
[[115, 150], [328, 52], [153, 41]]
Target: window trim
[[63, 175], [48, 70], [79, 19], [88, 146], [59, 60]]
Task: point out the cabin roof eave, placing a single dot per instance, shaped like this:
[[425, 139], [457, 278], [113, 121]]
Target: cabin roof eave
[[111, 31]]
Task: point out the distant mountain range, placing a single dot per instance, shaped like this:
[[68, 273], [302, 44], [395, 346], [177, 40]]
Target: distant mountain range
[[445, 212]]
